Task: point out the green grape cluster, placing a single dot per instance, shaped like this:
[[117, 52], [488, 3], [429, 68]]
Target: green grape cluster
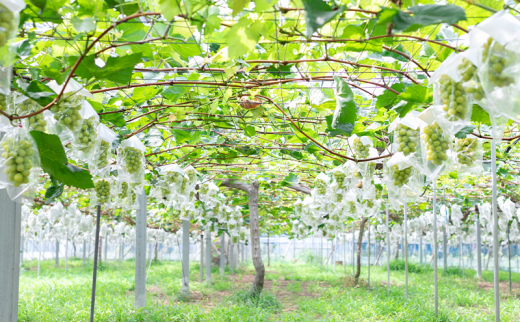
[[407, 139], [204, 188], [335, 217], [173, 177], [66, 112], [340, 179], [453, 98], [102, 158], [369, 203], [102, 188], [87, 135], [235, 239], [165, 192], [498, 59], [358, 175], [124, 191], [466, 151], [338, 197], [471, 84], [37, 122], [379, 193], [360, 149], [3, 102], [321, 186], [133, 159], [436, 144], [7, 25], [17, 155], [402, 176], [351, 207]]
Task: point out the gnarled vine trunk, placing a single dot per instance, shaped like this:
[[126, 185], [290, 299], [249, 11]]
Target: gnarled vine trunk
[[254, 227], [359, 246]]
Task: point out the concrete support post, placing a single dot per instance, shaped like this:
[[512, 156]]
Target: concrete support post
[[479, 248], [140, 252], [208, 256], [57, 255], [10, 228], [185, 256], [222, 252]]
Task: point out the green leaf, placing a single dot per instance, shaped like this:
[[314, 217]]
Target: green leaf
[[312, 148], [55, 163], [290, 180], [116, 69], [423, 15], [54, 191], [480, 115], [243, 37], [464, 132], [417, 94], [405, 108], [238, 5], [117, 119], [173, 93], [317, 14], [54, 71], [345, 114], [37, 91], [169, 8], [40, 4], [250, 131]]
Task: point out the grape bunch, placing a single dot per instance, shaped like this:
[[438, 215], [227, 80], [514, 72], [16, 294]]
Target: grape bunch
[[436, 144], [335, 217], [7, 25], [321, 186], [133, 159], [3, 102], [402, 176], [498, 59], [407, 139], [18, 160], [453, 98], [467, 150], [360, 149], [37, 122], [87, 135], [369, 203], [191, 178], [471, 84], [338, 197], [102, 188], [340, 179], [204, 188], [124, 191], [104, 149], [173, 178], [66, 112], [351, 207]]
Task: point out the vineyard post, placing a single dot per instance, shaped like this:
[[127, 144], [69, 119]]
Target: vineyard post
[[496, 268], [140, 252], [479, 248], [208, 255], [185, 256], [405, 250], [94, 273], [387, 252], [11, 219], [436, 288], [222, 251]]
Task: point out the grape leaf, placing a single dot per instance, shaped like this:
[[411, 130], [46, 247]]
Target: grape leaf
[[317, 14], [55, 163]]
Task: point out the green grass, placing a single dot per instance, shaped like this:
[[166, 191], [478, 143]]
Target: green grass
[[297, 292]]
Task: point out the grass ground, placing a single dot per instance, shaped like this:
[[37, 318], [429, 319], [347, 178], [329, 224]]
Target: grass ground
[[293, 292]]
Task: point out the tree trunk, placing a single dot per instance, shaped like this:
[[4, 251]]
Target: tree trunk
[[360, 244], [254, 225], [156, 250], [378, 255], [490, 252], [74, 246]]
